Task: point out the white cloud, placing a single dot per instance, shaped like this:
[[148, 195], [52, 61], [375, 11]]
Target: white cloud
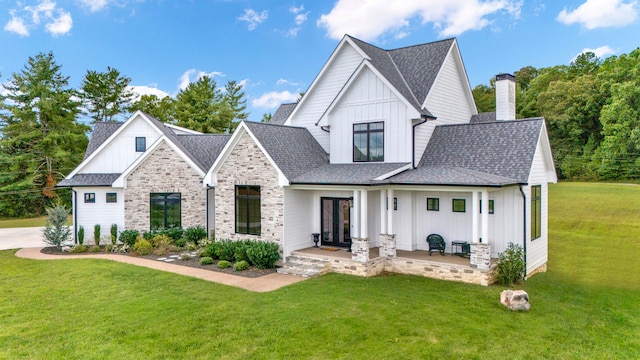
[[286, 82], [593, 14], [300, 17], [293, 32], [94, 5], [139, 90], [192, 75], [254, 18], [272, 99], [368, 19], [601, 52], [57, 20]]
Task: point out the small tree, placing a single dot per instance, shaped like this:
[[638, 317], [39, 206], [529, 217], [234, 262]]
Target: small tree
[[114, 233], [55, 231], [511, 265], [96, 234], [81, 235]]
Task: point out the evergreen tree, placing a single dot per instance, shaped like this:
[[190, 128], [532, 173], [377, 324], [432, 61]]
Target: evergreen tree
[[234, 97], [105, 94], [162, 109]]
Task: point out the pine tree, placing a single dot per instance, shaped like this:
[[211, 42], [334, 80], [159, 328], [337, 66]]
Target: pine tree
[[105, 94]]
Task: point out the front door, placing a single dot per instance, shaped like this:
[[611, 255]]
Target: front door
[[336, 224]]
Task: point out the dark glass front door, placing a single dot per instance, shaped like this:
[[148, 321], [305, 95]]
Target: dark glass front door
[[336, 224]]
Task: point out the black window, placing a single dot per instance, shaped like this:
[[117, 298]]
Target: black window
[[433, 204], [165, 210], [141, 144], [90, 197], [490, 207], [112, 197], [368, 142], [248, 216], [459, 205], [536, 209]]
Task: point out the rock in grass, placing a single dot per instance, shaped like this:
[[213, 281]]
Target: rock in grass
[[515, 300]]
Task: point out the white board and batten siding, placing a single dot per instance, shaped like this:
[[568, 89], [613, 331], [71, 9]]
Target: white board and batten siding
[[102, 213], [368, 100], [326, 88], [121, 151], [506, 222], [299, 219], [448, 100]]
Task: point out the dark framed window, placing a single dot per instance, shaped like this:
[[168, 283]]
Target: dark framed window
[[395, 203], [490, 207], [166, 210], [368, 142], [433, 204], [141, 144], [90, 197], [459, 205], [112, 197], [536, 212], [248, 213]]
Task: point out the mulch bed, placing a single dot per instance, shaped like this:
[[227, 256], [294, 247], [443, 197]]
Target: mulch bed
[[252, 272]]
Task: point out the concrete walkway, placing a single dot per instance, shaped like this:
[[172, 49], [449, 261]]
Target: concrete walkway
[[261, 284]]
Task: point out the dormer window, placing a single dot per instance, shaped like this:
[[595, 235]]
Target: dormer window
[[368, 142], [141, 144]]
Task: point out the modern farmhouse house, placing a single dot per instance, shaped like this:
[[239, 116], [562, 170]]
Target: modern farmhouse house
[[385, 148]]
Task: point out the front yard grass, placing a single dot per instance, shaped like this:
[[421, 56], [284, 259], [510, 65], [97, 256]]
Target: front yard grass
[[84, 309], [28, 222]]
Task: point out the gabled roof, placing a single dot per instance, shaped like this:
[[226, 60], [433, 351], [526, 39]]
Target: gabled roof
[[501, 148], [282, 114], [483, 117], [349, 174], [203, 149], [89, 180], [101, 132]]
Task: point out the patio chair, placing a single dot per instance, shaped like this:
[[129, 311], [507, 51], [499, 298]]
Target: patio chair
[[436, 243]]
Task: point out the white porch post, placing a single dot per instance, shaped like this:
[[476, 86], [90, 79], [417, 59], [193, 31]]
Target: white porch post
[[485, 216], [356, 214], [363, 214], [389, 207], [383, 211], [474, 217], [359, 240]]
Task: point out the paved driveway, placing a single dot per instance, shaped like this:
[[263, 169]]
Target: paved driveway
[[16, 238]]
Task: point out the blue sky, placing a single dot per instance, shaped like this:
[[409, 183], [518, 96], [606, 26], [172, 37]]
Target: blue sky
[[276, 48]]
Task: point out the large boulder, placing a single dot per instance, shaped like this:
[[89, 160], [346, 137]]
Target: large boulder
[[515, 300]]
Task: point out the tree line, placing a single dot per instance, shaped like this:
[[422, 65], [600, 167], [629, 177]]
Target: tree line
[[592, 111], [43, 132]]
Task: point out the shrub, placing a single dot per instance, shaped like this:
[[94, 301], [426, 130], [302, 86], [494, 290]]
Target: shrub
[[226, 250], [95, 248], [174, 233], [206, 261], [240, 250], [263, 255], [109, 248], [241, 266], [209, 250], [511, 266], [80, 249], [114, 233], [142, 247], [81, 235], [223, 264], [129, 237], [180, 242], [160, 241], [55, 232], [195, 233], [96, 234], [185, 257]]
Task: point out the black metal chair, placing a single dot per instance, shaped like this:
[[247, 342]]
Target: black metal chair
[[436, 243]]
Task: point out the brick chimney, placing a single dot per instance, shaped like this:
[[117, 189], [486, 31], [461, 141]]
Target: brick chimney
[[505, 97]]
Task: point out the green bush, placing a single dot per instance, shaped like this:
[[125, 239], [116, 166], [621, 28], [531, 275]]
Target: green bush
[[226, 250], [96, 234], [95, 249], [209, 250], [174, 233], [142, 247], [129, 237], [180, 242], [240, 250], [80, 249], [55, 231], [114, 234], [206, 260], [223, 264], [511, 266], [195, 233], [160, 241], [241, 266], [81, 235], [263, 255]]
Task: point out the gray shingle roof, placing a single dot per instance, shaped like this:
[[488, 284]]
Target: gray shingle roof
[[203, 149], [293, 149], [101, 132], [282, 114], [501, 148], [89, 180], [446, 175], [347, 174], [411, 70], [483, 117]]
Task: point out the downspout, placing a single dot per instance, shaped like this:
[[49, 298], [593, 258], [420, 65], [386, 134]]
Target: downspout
[[209, 187], [324, 128], [413, 139], [524, 229], [75, 216]]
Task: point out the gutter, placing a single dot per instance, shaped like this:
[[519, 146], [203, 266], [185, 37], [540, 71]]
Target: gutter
[[413, 138], [75, 216], [524, 229]]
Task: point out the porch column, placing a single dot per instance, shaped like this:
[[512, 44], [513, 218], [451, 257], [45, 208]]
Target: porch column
[[485, 216], [360, 241], [363, 214], [356, 214], [383, 211], [389, 207], [474, 217]]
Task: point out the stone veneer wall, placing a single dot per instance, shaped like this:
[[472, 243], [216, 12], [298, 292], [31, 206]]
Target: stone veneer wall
[[164, 171], [442, 271], [247, 165]]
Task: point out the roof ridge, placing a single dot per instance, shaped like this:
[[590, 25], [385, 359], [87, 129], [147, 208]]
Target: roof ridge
[[404, 81], [403, 47], [278, 125], [493, 122]]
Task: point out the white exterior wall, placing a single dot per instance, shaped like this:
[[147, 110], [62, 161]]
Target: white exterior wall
[[121, 152], [211, 212], [373, 217], [403, 221], [370, 100], [324, 91], [299, 219], [451, 226], [505, 224], [100, 212]]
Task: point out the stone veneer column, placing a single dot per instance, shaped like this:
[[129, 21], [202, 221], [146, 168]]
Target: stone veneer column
[[360, 250], [388, 245], [480, 256]]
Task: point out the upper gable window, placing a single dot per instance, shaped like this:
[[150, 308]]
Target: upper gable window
[[141, 144], [368, 142]]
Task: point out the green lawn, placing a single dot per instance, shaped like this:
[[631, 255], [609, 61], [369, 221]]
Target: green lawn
[[17, 223], [582, 308]]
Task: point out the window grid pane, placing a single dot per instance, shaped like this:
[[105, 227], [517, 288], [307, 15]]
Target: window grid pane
[[248, 214], [368, 142], [165, 210], [459, 205]]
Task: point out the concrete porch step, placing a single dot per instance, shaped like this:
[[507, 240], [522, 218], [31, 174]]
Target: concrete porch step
[[304, 267]]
